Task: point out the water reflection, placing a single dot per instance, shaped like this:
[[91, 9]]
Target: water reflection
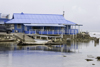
[[5, 46], [12, 55], [69, 47]]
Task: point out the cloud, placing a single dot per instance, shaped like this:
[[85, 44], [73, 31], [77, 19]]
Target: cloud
[[78, 9]]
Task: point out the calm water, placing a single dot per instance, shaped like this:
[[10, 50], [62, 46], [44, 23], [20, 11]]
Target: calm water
[[75, 54]]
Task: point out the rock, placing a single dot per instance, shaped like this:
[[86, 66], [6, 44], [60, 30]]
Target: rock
[[97, 40], [64, 56], [98, 58], [93, 64], [88, 59]]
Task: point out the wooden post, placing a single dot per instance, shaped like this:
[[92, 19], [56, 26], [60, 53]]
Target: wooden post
[[43, 28], [67, 29], [73, 32], [47, 38], [35, 37], [23, 37], [60, 39], [41, 31], [40, 37], [47, 31], [52, 31], [58, 31], [70, 31], [29, 31], [35, 31], [55, 38]]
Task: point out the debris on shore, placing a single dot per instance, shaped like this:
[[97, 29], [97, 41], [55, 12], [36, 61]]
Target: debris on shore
[[88, 59], [67, 39], [93, 64]]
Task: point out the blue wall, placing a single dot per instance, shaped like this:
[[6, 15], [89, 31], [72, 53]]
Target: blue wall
[[22, 29], [19, 30]]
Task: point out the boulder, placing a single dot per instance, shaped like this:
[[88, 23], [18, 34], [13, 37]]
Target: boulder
[[98, 58], [88, 59]]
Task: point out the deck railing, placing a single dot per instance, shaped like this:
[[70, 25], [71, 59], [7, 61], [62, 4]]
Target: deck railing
[[52, 32], [70, 31], [31, 31]]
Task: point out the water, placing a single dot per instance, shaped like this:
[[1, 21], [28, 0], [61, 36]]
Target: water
[[95, 34], [72, 55]]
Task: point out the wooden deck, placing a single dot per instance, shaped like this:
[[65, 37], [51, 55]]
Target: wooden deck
[[27, 38], [23, 37], [46, 36]]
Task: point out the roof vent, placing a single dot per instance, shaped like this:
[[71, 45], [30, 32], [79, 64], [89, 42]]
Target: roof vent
[[22, 13], [63, 13]]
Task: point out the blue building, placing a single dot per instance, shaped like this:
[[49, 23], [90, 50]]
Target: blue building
[[41, 24]]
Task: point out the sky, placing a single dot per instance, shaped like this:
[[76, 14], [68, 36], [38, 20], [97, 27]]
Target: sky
[[85, 12]]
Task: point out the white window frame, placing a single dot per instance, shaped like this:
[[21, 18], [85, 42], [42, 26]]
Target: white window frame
[[19, 27]]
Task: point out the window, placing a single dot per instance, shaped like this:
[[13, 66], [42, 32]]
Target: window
[[35, 27], [49, 28], [12, 26], [19, 26]]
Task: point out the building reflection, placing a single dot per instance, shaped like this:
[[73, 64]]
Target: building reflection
[[73, 46]]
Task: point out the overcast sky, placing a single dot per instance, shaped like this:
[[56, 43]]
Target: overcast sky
[[86, 12]]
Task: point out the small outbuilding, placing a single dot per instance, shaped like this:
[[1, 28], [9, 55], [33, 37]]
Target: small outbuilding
[[3, 19]]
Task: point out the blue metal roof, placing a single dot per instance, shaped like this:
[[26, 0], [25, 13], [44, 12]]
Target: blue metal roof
[[22, 18], [3, 20]]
